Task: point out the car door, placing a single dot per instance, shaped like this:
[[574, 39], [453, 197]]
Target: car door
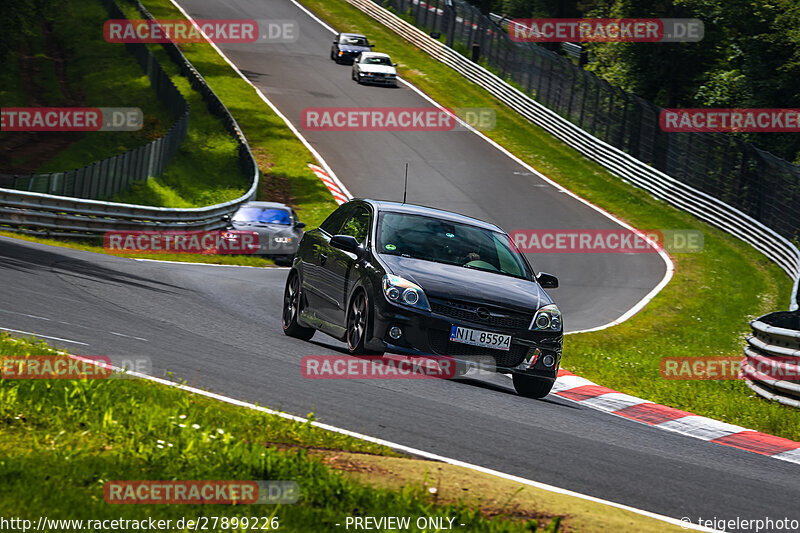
[[314, 255], [343, 267]]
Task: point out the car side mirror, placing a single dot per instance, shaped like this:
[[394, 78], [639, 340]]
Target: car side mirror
[[372, 46], [394, 64], [348, 243], [334, 42], [226, 218], [300, 225], [547, 281]]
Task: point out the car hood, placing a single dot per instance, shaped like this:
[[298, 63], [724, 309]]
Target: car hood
[[459, 283], [351, 48], [377, 69]]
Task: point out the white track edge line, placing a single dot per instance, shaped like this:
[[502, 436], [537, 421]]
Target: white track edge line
[[36, 335], [398, 447]]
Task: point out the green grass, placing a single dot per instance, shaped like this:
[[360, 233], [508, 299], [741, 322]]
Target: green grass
[[206, 169], [98, 74], [704, 310], [62, 440], [281, 157]]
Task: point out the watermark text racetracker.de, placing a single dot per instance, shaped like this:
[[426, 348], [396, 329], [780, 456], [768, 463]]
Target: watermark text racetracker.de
[[19, 367], [730, 120], [71, 119], [205, 492], [607, 241], [216, 31], [182, 242], [396, 119], [395, 366], [726, 367], [648, 30]]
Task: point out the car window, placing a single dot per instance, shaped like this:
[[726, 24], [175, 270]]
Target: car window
[[335, 220], [262, 215], [353, 41], [377, 61], [453, 243], [357, 225]]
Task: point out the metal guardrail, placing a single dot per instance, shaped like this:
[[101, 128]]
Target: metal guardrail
[[722, 165], [700, 204], [773, 352], [30, 211]]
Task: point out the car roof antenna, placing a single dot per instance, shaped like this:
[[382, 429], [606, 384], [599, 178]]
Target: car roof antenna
[[405, 187]]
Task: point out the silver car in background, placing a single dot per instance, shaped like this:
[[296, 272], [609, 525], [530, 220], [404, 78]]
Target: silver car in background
[[374, 67], [277, 225]]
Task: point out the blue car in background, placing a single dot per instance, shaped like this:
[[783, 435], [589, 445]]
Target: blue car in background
[[277, 225], [347, 46]]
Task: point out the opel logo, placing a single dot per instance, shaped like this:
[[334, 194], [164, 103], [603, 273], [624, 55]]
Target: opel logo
[[482, 313]]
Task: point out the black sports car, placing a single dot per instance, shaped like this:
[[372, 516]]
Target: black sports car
[[348, 45], [385, 276]]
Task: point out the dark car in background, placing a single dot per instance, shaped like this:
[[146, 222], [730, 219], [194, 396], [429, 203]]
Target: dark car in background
[[277, 225], [348, 45], [384, 276]]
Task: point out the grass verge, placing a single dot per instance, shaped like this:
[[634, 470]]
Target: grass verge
[[704, 310], [62, 440], [65, 65], [206, 169]]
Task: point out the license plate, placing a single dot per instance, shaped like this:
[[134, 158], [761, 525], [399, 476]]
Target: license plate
[[485, 339]]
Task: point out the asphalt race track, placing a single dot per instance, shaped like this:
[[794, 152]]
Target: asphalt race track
[[454, 170], [219, 327]]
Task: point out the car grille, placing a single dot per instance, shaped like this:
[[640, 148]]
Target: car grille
[[498, 318], [440, 343]]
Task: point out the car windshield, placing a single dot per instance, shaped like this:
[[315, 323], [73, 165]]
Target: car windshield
[[353, 41], [442, 241], [268, 215], [377, 61]]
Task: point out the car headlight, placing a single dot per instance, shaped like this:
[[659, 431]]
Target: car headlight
[[341, 53], [548, 318], [283, 240], [402, 291]]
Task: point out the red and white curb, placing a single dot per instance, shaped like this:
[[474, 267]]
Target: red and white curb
[[337, 193], [583, 391]]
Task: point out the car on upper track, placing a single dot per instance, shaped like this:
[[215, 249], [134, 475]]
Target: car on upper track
[[374, 67], [278, 227], [384, 276], [348, 45]]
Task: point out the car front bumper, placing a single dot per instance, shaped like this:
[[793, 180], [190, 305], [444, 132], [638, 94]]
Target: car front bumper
[[427, 333], [380, 80]]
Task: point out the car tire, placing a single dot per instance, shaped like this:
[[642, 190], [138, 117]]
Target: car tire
[[357, 322], [333, 55], [532, 387], [291, 310]]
